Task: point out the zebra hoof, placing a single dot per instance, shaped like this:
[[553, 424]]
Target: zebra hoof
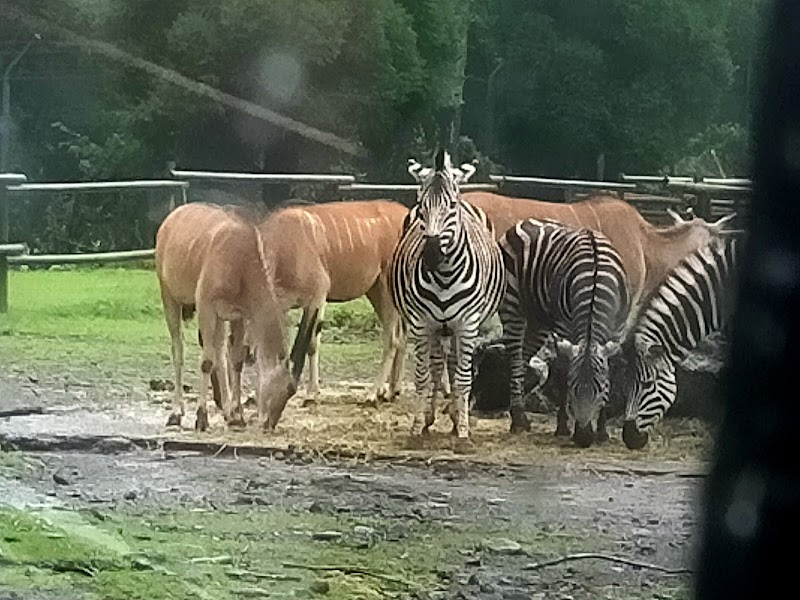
[[583, 436], [633, 438], [201, 424], [174, 420], [562, 430], [519, 421], [463, 445], [237, 422]]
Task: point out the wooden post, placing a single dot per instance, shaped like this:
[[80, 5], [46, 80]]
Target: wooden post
[[601, 166], [3, 240], [171, 165], [703, 206]]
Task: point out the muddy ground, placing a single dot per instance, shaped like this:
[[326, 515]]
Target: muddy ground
[[346, 487]]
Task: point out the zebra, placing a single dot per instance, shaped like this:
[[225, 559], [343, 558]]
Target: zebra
[[446, 279], [569, 283], [694, 301]]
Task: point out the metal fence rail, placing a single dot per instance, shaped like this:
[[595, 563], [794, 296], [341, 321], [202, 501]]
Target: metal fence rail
[[709, 197]]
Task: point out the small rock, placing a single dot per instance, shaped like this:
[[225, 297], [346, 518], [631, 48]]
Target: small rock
[[131, 495], [320, 586], [326, 536], [50, 492], [474, 579], [503, 546], [487, 588], [363, 531], [61, 479], [114, 445]]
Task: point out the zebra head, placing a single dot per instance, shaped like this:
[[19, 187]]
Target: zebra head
[[587, 384], [438, 209], [651, 390]]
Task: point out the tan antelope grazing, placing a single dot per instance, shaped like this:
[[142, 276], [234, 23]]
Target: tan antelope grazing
[[648, 252], [336, 252], [211, 260]]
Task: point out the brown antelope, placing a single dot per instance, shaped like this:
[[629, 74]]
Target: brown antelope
[[336, 252], [212, 260], [648, 252]]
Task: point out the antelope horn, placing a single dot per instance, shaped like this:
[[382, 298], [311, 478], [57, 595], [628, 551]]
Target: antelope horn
[[413, 168], [468, 170], [719, 224], [676, 218]]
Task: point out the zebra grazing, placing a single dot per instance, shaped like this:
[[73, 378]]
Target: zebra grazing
[[568, 282], [447, 278], [693, 301]]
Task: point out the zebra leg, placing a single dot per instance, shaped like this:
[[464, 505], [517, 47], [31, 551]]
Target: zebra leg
[[465, 344], [436, 374], [422, 381], [602, 430], [559, 373], [451, 365], [513, 333]]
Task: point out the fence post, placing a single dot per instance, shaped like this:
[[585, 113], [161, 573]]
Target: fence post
[[3, 240], [703, 206]]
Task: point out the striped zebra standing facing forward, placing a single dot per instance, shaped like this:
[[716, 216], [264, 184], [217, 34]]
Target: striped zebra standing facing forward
[[694, 300], [570, 283], [447, 278]]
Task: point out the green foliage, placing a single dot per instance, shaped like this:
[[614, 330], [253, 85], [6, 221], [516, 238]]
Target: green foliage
[[537, 86], [730, 142]]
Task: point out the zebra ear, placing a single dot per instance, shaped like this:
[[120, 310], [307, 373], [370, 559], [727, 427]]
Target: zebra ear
[[441, 160]]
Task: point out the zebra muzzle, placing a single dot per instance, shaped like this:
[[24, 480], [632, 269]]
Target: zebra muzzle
[[633, 438], [432, 252]]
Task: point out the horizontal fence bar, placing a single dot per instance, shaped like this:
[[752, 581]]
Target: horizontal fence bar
[[565, 183], [11, 178], [411, 187], [74, 259], [741, 181], [13, 249], [707, 187], [264, 177], [652, 178], [87, 186]]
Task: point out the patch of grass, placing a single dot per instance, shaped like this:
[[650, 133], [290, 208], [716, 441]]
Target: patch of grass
[[185, 554], [111, 317]]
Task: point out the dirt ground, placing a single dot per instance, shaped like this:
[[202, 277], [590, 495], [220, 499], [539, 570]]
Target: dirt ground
[[99, 444]]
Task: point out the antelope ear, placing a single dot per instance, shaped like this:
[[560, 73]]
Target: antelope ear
[[414, 169]]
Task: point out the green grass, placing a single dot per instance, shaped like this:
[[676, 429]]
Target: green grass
[[190, 554], [88, 318]]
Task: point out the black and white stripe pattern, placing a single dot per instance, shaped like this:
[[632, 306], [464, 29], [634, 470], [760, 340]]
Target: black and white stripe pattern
[[692, 302], [447, 279], [570, 283]]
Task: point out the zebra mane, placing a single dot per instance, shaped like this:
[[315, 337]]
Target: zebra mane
[[590, 323]]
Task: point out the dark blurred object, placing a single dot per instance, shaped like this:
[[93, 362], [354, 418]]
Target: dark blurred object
[[491, 392], [751, 506]]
